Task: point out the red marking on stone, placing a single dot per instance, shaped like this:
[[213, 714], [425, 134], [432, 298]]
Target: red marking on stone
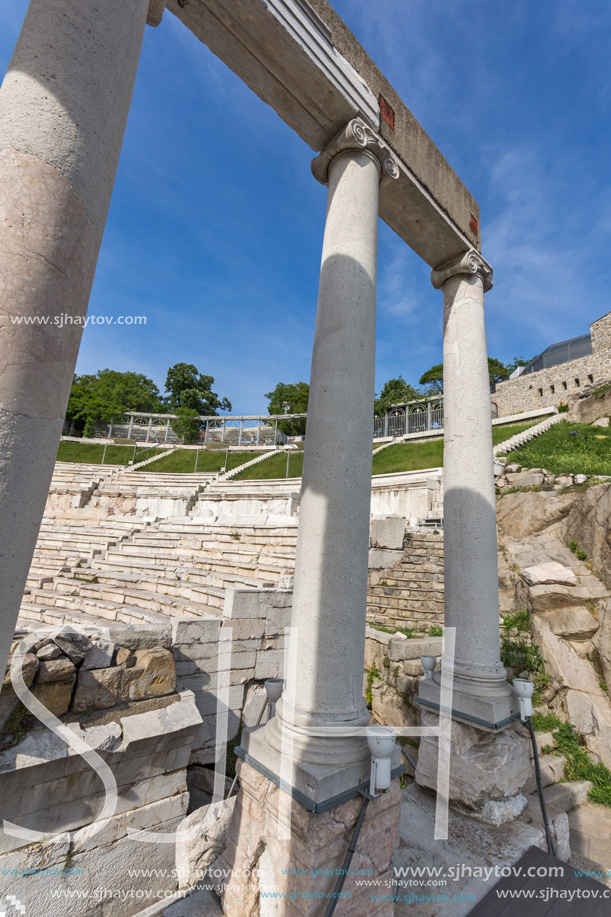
[[473, 225], [387, 113]]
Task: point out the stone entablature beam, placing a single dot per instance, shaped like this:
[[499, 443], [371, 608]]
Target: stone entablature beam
[[303, 61]]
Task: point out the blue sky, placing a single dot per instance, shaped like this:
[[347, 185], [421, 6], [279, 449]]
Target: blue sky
[[215, 226]]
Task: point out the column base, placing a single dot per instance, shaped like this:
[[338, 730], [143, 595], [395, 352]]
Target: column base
[[488, 713], [487, 769], [318, 786], [298, 854]]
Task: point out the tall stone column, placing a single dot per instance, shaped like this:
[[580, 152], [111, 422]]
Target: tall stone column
[[63, 109], [489, 756], [324, 683], [470, 543]]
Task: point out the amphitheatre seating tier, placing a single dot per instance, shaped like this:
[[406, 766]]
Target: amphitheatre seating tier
[[140, 570]]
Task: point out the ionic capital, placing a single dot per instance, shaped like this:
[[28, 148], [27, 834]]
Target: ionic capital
[[155, 13], [359, 137], [470, 262]]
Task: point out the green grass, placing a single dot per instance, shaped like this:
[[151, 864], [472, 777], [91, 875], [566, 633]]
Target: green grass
[[579, 765], [559, 453], [182, 461], [92, 453], [402, 457], [274, 467], [519, 621], [413, 456]]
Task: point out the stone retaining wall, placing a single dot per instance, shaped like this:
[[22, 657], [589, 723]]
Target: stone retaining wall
[[147, 700]]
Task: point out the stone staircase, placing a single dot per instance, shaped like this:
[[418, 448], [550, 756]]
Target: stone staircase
[[521, 439], [228, 475], [149, 461], [410, 594]]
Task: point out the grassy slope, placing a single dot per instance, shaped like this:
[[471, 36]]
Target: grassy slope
[[274, 467], [560, 453], [92, 453], [402, 457], [183, 461], [412, 456]]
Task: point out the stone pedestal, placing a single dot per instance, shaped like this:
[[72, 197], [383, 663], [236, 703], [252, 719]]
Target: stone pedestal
[[267, 842], [63, 107], [487, 770]]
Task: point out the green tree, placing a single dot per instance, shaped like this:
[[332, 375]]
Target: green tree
[[497, 372], [87, 409], [188, 388], [186, 424], [433, 378], [519, 361], [395, 391], [291, 398], [98, 398], [134, 391]]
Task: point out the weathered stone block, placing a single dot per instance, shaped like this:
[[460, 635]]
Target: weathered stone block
[[74, 644], [195, 630], [387, 532], [200, 840], [29, 668], [97, 689], [54, 670], [241, 603], [483, 766], [551, 572], [572, 623], [153, 675], [55, 695], [100, 657], [50, 651], [125, 658]]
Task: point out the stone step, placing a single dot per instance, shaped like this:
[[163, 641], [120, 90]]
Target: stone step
[[552, 771], [568, 796], [55, 617], [405, 590], [156, 599], [392, 602]]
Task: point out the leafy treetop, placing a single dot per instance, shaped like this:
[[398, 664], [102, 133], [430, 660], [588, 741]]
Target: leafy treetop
[[289, 398], [188, 388]]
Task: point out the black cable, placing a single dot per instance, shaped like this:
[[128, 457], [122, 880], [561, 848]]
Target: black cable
[[548, 832], [407, 757], [349, 853]]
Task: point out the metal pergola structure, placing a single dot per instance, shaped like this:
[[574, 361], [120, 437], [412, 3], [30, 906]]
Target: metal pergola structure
[[262, 429], [257, 430], [410, 417]]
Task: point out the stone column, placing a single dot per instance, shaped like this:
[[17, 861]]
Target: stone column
[[470, 542], [63, 108], [325, 678]]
